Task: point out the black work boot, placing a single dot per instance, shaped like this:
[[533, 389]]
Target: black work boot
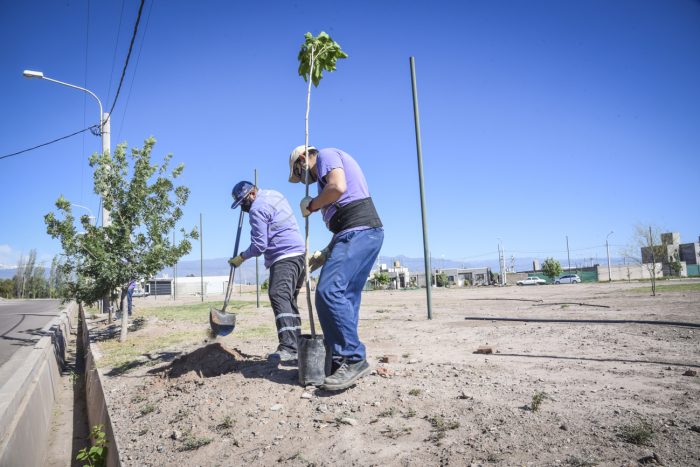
[[346, 375], [283, 355]]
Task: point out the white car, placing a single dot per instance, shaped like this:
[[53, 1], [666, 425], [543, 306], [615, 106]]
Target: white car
[[568, 279], [532, 281]]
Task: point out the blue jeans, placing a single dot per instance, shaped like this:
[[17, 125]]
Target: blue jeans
[[129, 300], [339, 290]]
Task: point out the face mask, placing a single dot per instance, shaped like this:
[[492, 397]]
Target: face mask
[[246, 204], [312, 179]]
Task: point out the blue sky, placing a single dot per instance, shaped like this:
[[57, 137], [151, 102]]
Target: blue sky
[[539, 119]]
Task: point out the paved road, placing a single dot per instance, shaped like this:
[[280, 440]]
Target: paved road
[[21, 322]]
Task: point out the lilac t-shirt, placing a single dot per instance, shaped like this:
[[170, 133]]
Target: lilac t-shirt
[[356, 185], [273, 229]]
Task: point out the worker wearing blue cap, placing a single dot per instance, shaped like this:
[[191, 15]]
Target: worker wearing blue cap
[[274, 233]]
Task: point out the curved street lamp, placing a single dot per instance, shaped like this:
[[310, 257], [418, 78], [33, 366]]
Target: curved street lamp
[[104, 120]]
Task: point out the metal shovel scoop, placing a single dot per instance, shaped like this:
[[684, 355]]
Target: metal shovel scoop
[[222, 323]]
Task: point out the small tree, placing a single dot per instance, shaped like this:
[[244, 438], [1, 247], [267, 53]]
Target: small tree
[[646, 249], [675, 265], [551, 268], [144, 206], [442, 280], [382, 279], [316, 55]]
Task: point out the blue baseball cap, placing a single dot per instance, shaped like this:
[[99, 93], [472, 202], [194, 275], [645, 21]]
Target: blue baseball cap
[[240, 191]]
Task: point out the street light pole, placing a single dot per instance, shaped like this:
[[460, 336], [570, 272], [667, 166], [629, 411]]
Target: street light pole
[[104, 122], [607, 248]]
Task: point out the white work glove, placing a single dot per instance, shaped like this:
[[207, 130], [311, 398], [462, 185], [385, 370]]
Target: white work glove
[[304, 205], [236, 261], [318, 259]]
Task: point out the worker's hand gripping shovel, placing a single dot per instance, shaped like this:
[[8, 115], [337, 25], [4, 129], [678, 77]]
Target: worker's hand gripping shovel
[[222, 323]]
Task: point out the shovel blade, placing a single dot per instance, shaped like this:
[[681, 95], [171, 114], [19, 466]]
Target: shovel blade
[[222, 323]]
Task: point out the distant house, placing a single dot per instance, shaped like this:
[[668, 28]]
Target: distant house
[[670, 250]]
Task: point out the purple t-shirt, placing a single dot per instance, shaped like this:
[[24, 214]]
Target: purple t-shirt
[[356, 185], [273, 229]]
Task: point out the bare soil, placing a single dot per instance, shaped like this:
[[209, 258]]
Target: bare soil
[[550, 393]]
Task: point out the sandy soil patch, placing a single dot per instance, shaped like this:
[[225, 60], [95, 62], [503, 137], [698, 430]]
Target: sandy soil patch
[[598, 387]]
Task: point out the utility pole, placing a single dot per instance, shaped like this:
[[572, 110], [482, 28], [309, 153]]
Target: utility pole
[[257, 274], [607, 249], [174, 272], [201, 257], [568, 256]]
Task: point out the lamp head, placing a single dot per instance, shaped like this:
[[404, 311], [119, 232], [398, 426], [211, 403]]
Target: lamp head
[[33, 74]]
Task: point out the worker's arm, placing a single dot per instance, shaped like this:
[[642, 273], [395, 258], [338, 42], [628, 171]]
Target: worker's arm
[[334, 189], [258, 234]]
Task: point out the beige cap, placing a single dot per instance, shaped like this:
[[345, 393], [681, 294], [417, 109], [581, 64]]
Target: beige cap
[[298, 151]]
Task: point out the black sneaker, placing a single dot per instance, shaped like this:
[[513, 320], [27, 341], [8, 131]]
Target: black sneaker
[[283, 355], [346, 375]]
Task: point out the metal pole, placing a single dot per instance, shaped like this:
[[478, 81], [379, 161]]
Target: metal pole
[[505, 269], [201, 256], [174, 273], [424, 214], [607, 249], [257, 262], [568, 256], [105, 132], [106, 222]]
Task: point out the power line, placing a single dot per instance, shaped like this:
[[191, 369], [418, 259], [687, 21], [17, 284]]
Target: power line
[[49, 142], [136, 67], [87, 48], [128, 56], [114, 56]]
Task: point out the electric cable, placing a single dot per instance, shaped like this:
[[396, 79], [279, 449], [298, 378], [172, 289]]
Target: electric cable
[[87, 48], [128, 56], [49, 142], [136, 67], [114, 55]]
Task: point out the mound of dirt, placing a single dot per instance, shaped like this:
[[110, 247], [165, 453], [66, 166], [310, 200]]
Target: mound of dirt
[[208, 361]]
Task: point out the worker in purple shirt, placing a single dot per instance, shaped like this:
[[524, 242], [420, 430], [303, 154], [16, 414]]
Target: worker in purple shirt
[[274, 233], [348, 211]]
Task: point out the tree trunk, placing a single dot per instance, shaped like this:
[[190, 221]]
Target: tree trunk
[[121, 300]]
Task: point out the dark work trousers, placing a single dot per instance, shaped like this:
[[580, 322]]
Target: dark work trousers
[[284, 288]]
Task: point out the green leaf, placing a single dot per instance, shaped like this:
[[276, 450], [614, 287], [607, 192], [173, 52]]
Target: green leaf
[[325, 52]]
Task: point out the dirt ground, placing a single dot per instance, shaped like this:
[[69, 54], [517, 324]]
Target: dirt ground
[[551, 393]]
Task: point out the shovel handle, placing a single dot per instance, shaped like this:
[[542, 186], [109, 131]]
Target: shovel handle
[[232, 272]]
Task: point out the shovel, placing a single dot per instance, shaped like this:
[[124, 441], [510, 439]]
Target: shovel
[[222, 323]]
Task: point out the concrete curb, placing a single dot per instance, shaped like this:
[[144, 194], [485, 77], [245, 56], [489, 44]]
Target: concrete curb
[[31, 378], [97, 410]]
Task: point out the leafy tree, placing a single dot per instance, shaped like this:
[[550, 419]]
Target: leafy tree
[[381, 279], [265, 285], [144, 205], [7, 288], [441, 279], [675, 265], [551, 268]]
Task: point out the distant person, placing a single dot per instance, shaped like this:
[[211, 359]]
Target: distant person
[[129, 295], [274, 232], [348, 211]]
